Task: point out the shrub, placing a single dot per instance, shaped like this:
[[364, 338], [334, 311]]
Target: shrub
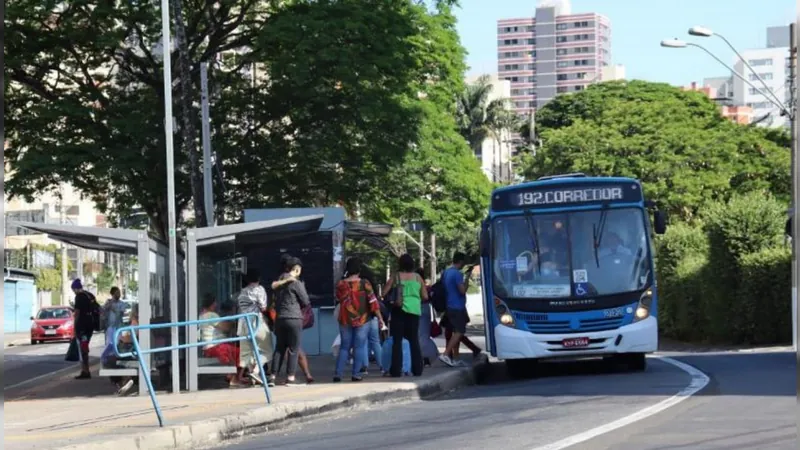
[[681, 313], [744, 225], [679, 242], [681, 259], [762, 313]]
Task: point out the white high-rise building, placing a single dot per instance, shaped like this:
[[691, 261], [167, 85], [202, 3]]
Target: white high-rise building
[[772, 65]]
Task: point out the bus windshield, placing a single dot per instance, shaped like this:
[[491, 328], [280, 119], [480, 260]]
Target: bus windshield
[[574, 254]]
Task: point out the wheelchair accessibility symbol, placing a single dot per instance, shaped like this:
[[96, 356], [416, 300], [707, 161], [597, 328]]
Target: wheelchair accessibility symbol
[[581, 289]]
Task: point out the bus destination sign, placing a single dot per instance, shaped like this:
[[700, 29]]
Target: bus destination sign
[[535, 197]]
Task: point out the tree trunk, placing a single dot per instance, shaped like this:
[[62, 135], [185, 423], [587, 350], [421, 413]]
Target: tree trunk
[[188, 131]]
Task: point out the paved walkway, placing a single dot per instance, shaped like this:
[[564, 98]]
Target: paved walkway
[[63, 411], [13, 339]]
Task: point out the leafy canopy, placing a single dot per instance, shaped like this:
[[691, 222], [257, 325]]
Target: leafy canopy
[[675, 141]]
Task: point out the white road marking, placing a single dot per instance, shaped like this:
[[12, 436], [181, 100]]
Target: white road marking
[[699, 381]]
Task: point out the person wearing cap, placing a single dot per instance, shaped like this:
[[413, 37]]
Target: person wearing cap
[[85, 308]]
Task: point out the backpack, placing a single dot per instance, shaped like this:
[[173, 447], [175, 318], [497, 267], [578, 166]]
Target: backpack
[[439, 295], [96, 312]]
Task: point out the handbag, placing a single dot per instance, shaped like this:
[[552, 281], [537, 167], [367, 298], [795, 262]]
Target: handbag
[[396, 296], [73, 355], [436, 329], [308, 317]]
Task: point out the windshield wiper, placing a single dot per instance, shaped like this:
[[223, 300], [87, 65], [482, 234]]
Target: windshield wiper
[[597, 233], [534, 237]]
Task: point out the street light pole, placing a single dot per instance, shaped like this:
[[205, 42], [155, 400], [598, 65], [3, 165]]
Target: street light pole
[[166, 47], [794, 46]]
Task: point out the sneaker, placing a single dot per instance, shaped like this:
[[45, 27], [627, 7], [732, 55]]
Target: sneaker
[[356, 379], [337, 379], [459, 363], [446, 359], [125, 388]]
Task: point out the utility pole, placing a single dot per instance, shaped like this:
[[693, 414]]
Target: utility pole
[[208, 187], [433, 258], [794, 45], [532, 131], [172, 258], [64, 259], [422, 249]]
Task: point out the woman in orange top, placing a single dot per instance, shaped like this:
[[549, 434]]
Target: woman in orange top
[[356, 301]]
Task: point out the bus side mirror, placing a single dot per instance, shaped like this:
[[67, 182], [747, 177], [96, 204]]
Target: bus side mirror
[[660, 221], [484, 239]]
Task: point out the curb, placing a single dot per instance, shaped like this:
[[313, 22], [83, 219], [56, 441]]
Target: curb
[[17, 343], [214, 431]]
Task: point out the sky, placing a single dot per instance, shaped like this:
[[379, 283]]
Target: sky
[[637, 28]]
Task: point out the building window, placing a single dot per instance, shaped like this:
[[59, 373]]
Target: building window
[[512, 79], [563, 64], [754, 91], [530, 66], [511, 67], [582, 37], [561, 39], [579, 87], [532, 53], [760, 105], [530, 41], [531, 79], [580, 75], [764, 76], [529, 28], [561, 51], [511, 29], [581, 62], [561, 89], [561, 26], [761, 62], [561, 77], [511, 42]]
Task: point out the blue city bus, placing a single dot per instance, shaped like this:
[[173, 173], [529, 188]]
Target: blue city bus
[[567, 271]]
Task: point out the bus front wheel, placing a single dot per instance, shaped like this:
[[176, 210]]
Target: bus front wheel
[[635, 362], [521, 368]]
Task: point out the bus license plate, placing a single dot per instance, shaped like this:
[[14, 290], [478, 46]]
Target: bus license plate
[[575, 342]]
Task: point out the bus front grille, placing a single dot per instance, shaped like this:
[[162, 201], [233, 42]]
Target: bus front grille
[[565, 326]]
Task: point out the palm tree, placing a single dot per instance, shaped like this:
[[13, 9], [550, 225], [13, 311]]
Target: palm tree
[[503, 121], [478, 117]]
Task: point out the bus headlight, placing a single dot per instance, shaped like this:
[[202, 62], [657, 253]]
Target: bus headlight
[[645, 303], [506, 318]]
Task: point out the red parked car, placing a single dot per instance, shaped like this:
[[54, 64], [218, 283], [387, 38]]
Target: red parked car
[[53, 323]]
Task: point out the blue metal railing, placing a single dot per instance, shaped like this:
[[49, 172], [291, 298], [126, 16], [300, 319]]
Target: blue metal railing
[[139, 353]]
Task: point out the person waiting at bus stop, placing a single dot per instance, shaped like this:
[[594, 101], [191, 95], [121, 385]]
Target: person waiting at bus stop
[[456, 285], [357, 301], [290, 301], [284, 279], [253, 299], [410, 288]]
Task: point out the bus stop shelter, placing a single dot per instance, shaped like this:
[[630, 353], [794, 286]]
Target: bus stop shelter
[[216, 259], [154, 304]]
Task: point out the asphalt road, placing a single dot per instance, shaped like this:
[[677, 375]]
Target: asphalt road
[[749, 403], [26, 362]]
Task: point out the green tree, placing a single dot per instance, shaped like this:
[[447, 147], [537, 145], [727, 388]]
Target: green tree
[[84, 97], [440, 181], [675, 141]]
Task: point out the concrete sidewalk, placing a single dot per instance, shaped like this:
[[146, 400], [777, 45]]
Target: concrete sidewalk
[[65, 413], [15, 339]]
